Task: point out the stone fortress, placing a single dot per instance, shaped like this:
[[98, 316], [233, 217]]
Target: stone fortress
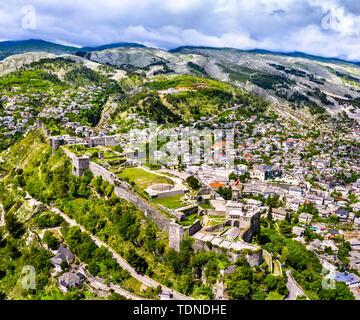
[[243, 218], [57, 141]]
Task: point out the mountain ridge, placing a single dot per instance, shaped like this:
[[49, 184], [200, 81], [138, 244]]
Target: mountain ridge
[[43, 43]]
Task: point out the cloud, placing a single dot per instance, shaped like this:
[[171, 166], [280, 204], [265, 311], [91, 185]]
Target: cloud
[[323, 27]]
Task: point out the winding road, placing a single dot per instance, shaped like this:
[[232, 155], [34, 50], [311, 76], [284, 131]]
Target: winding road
[[294, 289], [123, 263]]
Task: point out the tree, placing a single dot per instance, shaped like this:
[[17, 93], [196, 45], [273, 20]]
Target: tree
[[64, 265], [116, 296], [239, 290], [74, 294], [93, 268], [137, 262], [232, 176], [225, 193], [51, 241], [285, 229], [64, 228], [150, 238], [269, 215], [186, 284], [129, 226], [15, 227], [341, 292], [73, 237], [193, 183], [173, 260]]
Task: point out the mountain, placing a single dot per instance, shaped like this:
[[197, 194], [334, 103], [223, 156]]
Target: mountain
[[296, 54], [8, 48], [298, 85], [114, 45]]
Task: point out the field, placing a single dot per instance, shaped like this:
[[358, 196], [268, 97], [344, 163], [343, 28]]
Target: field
[[141, 178], [173, 202]]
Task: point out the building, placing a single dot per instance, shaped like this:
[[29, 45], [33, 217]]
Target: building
[[279, 214], [70, 280], [342, 214], [305, 217], [299, 231], [355, 244], [266, 172], [350, 279], [246, 217], [62, 255]]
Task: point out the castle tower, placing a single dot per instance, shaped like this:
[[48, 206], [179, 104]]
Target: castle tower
[[79, 165], [56, 142], [235, 195], [176, 234], [236, 191]]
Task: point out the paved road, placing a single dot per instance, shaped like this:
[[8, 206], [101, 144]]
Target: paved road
[[98, 284], [294, 289], [123, 263]]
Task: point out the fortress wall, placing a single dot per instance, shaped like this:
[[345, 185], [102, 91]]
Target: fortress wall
[[193, 228], [98, 170], [123, 190], [254, 258]]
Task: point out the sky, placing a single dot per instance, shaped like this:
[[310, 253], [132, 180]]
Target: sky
[[329, 28]]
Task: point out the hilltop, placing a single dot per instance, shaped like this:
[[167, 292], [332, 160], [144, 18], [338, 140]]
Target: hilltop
[[296, 85]]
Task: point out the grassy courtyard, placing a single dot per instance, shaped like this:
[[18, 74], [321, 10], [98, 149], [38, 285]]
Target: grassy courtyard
[[173, 202], [141, 178]]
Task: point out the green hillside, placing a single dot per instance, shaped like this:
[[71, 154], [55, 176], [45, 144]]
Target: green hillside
[[194, 97]]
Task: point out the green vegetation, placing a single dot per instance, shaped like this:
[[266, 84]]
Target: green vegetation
[[113, 220], [142, 179], [255, 284], [304, 263], [173, 202], [199, 100]]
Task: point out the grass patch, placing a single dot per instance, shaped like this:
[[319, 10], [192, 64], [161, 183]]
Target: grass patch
[[274, 295], [141, 178], [173, 202]]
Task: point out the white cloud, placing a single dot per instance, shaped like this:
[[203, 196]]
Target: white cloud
[[282, 25]]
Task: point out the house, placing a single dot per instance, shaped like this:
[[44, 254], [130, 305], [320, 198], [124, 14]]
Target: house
[[295, 203], [342, 214], [70, 280], [279, 214], [329, 244], [357, 221], [296, 191], [266, 172], [355, 244], [299, 231], [305, 217], [63, 254], [355, 260], [324, 213], [350, 279]]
